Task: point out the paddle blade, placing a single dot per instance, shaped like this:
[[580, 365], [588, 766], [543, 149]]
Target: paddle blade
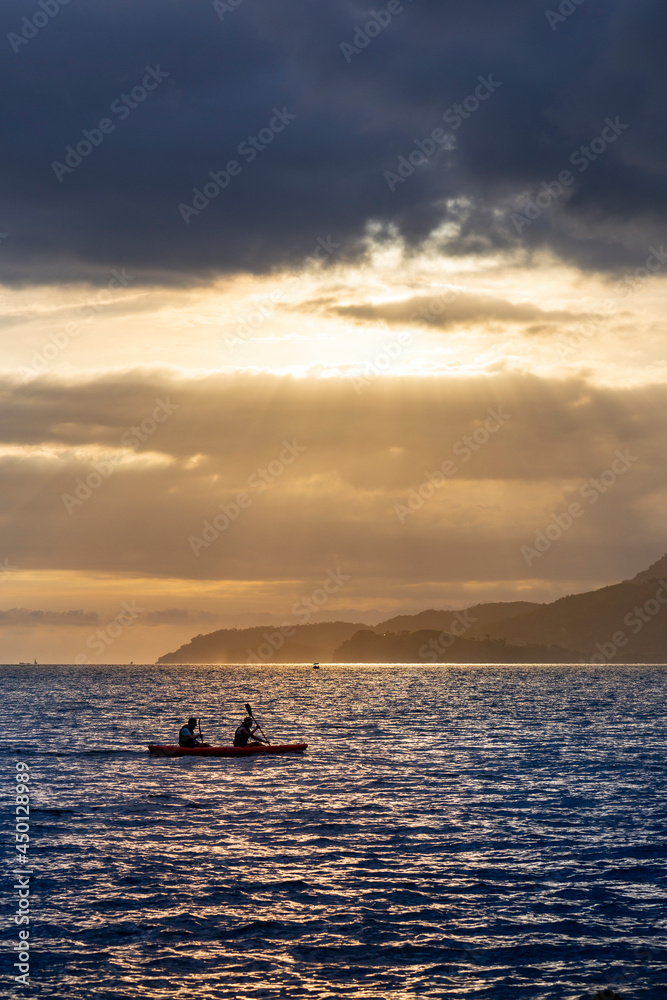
[[249, 711]]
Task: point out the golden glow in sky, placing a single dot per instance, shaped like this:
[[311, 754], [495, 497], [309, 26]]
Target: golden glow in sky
[[436, 294], [419, 315], [332, 359]]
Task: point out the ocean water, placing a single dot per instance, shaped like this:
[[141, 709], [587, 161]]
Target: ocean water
[[460, 832]]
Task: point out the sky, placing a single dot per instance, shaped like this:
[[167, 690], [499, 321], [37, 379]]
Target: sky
[[307, 294]]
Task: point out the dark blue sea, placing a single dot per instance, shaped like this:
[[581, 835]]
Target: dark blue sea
[[474, 833]]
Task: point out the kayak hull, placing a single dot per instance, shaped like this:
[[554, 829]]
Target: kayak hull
[[164, 750]]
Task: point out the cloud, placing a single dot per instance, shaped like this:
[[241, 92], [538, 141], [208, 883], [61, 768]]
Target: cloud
[[24, 617], [324, 173], [455, 309], [281, 479], [181, 616]]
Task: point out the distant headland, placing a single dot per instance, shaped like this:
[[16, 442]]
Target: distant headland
[[622, 623]]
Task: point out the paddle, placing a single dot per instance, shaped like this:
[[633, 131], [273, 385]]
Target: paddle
[[249, 711], [200, 732]]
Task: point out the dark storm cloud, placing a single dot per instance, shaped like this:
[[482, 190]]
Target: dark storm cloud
[[356, 113]]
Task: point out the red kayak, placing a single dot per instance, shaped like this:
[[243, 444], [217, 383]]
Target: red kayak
[[175, 751]]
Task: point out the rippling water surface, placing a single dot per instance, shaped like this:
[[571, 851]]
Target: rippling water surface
[[468, 832]]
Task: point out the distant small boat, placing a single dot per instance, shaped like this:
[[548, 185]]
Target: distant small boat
[[316, 666]]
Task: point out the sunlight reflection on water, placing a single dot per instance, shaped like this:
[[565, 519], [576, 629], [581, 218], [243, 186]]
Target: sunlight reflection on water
[[464, 832]]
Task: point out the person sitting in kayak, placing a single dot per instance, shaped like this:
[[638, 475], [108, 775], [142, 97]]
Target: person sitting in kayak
[[186, 737], [245, 732]]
